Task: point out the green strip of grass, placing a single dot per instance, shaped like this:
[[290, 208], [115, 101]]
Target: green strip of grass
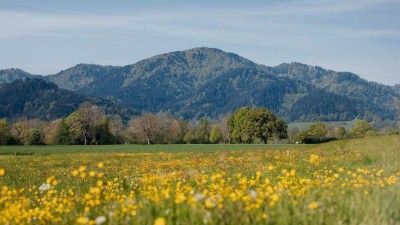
[[62, 149]]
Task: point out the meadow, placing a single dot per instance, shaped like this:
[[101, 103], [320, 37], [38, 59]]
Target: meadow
[[343, 182], [73, 149]]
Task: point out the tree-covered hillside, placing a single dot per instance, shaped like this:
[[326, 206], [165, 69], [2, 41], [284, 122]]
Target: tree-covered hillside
[[291, 99], [397, 88], [9, 75], [209, 82], [151, 83], [40, 99], [375, 98]]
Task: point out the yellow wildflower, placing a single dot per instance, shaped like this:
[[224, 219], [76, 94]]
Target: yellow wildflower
[[82, 220], [160, 221], [313, 205]]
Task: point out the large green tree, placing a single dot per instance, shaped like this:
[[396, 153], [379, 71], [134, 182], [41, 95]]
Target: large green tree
[[315, 133], [246, 125], [215, 135], [361, 129], [5, 131], [83, 122], [103, 134], [202, 132]]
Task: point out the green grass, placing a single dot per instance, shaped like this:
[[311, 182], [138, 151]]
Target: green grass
[[142, 172], [72, 149], [304, 125]]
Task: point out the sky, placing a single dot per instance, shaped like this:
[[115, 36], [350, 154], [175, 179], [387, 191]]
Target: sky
[[47, 36]]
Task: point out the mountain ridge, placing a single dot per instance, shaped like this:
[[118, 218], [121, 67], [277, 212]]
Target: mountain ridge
[[35, 98], [208, 82]]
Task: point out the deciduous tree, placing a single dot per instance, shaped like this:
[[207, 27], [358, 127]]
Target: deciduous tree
[[215, 135], [202, 132], [5, 131], [145, 126], [316, 133], [361, 129], [84, 120], [246, 124]]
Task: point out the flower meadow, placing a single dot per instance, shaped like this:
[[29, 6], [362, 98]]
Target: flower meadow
[[345, 182]]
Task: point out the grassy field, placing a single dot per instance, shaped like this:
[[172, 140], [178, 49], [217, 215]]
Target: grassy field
[[342, 182], [69, 149]]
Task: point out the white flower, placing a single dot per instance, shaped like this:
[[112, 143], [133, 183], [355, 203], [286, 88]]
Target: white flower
[[198, 197], [253, 194], [100, 220], [44, 187]]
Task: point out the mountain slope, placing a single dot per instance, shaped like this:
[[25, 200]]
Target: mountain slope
[[198, 82], [9, 75], [397, 88], [172, 75], [39, 99], [375, 97], [255, 88], [209, 82]]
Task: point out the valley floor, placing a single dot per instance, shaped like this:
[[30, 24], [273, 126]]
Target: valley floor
[[342, 182]]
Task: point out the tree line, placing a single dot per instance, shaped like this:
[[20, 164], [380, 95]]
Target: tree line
[[89, 125], [321, 132]]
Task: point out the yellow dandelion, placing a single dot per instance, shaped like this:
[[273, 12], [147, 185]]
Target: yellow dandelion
[[83, 175], [313, 205], [2, 172], [82, 220], [99, 183], [160, 221], [92, 173], [74, 173], [82, 169], [209, 204]]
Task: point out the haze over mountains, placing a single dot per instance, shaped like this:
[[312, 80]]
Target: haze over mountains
[[208, 82]]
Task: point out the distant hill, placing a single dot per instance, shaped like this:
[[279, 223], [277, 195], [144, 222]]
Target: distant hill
[[208, 82], [375, 98], [36, 98], [151, 83], [397, 88], [9, 75]]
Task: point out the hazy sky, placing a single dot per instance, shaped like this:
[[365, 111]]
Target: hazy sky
[[46, 36]]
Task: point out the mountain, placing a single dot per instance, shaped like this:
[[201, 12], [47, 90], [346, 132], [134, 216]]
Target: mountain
[[244, 87], [375, 98], [397, 88], [171, 75], [9, 75], [208, 82], [36, 98]]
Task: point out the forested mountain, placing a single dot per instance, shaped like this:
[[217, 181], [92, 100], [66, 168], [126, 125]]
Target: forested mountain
[[207, 82], [255, 88], [9, 75], [151, 83], [397, 88], [37, 98], [374, 97]]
